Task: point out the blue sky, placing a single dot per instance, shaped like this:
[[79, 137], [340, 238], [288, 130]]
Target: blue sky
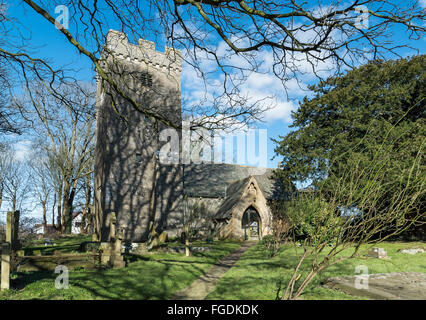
[[52, 44], [47, 42]]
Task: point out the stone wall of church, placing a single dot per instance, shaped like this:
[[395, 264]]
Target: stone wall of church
[[129, 179], [207, 208]]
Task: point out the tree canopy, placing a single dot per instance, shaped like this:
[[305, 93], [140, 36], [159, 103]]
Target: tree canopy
[[224, 41], [377, 110]]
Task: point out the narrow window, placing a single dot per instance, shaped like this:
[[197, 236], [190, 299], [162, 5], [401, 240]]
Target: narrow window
[[146, 79]]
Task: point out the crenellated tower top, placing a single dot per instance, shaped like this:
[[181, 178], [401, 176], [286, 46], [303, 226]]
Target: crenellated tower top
[[118, 45]]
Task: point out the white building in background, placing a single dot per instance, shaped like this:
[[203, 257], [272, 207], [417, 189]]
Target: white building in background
[[75, 228], [76, 222]]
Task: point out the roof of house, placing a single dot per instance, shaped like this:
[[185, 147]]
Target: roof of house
[[220, 180], [75, 214]]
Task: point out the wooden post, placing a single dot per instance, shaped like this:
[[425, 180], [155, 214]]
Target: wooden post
[[10, 226], [5, 266], [15, 240], [12, 229]]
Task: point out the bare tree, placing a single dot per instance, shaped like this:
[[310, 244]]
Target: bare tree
[[15, 179], [84, 201], [235, 38], [42, 184], [68, 126], [346, 223]]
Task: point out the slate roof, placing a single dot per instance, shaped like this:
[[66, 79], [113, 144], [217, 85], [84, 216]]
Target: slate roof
[[220, 180], [234, 195]]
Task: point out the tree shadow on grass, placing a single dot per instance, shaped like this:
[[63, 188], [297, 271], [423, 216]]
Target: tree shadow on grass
[[24, 279], [147, 280], [156, 276]]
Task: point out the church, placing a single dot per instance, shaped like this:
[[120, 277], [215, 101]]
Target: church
[[129, 178]]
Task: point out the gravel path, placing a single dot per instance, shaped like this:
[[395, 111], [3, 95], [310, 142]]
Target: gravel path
[[201, 287]]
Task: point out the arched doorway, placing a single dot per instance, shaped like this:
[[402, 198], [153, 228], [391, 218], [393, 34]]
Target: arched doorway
[[251, 224]]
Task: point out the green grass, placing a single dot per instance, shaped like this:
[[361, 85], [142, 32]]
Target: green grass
[[159, 275], [150, 276], [68, 244], [257, 277]]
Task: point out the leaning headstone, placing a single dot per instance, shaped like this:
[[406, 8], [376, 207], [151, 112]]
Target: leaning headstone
[[379, 253], [142, 248], [383, 286], [163, 237], [5, 266], [412, 250]]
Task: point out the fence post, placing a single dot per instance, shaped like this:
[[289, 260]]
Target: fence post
[[12, 229], [5, 266], [10, 226], [16, 245]]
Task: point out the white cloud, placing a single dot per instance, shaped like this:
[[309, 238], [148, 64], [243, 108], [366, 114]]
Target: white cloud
[[262, 86], [282, 111], [22, 150]]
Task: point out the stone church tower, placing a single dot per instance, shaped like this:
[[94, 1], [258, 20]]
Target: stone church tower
[[129, 180]]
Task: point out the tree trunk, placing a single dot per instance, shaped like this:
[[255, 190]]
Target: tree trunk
[[187, 251], [65, 206], [14, 202], [59, 217], [53, 209], [43, 204], [68, 200], [1, 193], [86, 209]]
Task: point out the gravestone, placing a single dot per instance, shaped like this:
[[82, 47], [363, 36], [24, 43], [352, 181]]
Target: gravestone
[[116, 259], [412, 250], [379, 253], [111, 251], [155, 239], [5, 266], [112, 224], [383, 286]]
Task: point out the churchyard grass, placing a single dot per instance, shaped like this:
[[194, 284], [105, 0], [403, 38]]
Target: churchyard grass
[[159, 275], [64, 245], [150, 276], [255, 276]]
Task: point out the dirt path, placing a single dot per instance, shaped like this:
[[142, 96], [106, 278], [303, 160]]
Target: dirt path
[[383, 286], [201, 287]]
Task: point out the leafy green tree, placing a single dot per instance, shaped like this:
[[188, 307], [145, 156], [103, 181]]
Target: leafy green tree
[[379, 106], [333, 234], [359, 141]]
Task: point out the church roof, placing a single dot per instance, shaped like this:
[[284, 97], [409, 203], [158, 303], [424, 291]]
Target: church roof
[[234, 195], [220, 180]]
